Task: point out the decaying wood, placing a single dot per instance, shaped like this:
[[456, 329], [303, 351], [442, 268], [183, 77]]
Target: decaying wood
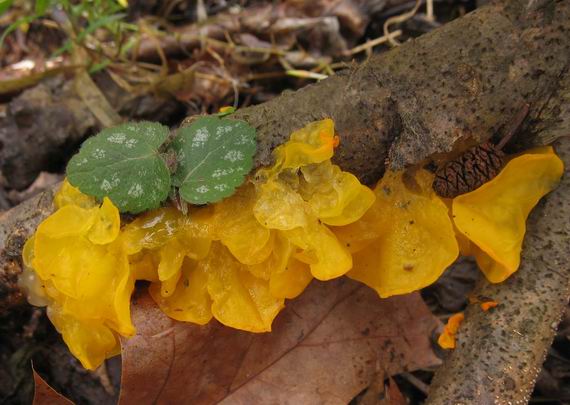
[[457, 85], [499, 352], [16, 226], [428, 99]]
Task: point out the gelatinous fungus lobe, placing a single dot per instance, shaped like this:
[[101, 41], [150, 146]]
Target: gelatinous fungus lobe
[[405, 241], [493, 217]]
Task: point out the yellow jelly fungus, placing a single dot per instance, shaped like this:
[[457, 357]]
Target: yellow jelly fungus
[[240, 299], [190, 301], [248, 240], [493, 217], [312, 144], [447, 339], [405, 241], [69, 195], [85, 278], [239, 259]]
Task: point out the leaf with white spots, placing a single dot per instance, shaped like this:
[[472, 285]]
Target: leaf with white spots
[[124, 164], [214, 154]]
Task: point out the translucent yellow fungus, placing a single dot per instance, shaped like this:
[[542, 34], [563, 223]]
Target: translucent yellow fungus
[[299, 202], [447, 339], [240, 299], [238, 260], [493, 217], [312, 144], [405, 241], [84, 276]]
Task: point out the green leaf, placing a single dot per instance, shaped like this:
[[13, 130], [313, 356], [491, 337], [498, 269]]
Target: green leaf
[[5, 5], [214, 154], [15, 25], [104, 21], [41, 6], [124, 164]]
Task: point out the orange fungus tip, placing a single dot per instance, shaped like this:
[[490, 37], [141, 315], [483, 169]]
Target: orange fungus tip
[[447, 339], [487, 305], [239, 259], [336, 141]]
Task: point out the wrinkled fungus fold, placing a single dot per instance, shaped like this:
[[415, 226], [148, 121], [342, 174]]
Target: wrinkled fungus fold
[[408, 238], [238, 260], [493, 217]]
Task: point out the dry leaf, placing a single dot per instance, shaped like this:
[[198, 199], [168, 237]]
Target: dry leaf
[[324, 348], [395, 396], [46, 395]]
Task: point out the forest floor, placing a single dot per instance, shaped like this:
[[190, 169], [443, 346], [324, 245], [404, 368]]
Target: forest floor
[[163, 61]]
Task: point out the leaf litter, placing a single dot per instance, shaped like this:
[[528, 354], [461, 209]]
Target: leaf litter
[[44, 394], [324, 348]]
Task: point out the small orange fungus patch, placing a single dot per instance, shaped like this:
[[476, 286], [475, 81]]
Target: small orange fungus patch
[[299, 219], [487, 305], [447, 339]]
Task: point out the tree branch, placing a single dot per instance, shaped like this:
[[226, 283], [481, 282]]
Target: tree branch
[[500, 352]]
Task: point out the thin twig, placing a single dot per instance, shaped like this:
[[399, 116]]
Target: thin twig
[[416, 382], [305, 74], [429, 11], [375, 42], [399, 19]]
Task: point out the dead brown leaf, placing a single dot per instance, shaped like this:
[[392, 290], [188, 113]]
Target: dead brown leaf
[[324, 348], [46, 395], [395, 396]]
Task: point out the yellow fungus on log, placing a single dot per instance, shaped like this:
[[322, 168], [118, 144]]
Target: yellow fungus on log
[[493, 217], [407, 239], [299, 219]]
